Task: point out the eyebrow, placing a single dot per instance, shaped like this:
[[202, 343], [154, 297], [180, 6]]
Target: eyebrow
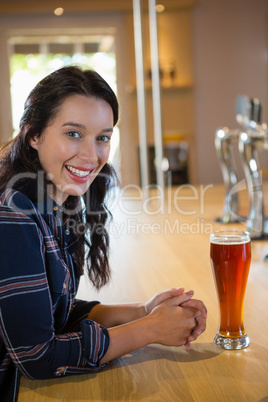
[[79, 125], [70, 123]]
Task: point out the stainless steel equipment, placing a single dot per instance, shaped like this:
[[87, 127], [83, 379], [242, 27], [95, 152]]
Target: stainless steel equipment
[[225, 140], [250, 142], [250, 139]]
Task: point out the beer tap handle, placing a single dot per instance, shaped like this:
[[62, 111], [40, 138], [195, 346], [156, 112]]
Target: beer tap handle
[[243, 110], [255, 114], [248, 144], [224, 141]]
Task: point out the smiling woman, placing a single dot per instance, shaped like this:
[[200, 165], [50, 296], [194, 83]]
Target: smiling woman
[[45, 145], [54, 179], [76, 145]]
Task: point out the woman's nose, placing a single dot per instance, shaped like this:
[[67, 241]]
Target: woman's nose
[[88, 152]]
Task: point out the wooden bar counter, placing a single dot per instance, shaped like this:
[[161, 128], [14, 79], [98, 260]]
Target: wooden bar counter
[[156, 246]]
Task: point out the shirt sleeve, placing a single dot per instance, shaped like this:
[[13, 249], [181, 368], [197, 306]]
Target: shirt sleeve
[[26, 309]]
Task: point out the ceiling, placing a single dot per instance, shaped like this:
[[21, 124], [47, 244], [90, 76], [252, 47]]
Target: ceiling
[[15, 7]]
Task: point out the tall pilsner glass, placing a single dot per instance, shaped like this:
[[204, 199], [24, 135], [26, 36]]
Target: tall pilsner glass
[[230, 256]]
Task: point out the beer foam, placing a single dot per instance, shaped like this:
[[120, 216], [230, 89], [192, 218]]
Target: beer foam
[[230, 241]]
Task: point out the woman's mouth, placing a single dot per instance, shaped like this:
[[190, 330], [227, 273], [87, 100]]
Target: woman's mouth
[[78, 175], [78, 172]]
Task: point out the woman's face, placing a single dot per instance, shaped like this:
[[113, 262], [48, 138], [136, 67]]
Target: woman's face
[[75, 145]]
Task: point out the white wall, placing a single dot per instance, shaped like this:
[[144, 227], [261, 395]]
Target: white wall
[[230, 58]]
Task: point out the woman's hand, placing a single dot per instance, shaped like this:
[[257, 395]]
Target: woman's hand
[[201, 319], [168, 324], [161, 297], [173, 319], [200, 316], [173, 324]]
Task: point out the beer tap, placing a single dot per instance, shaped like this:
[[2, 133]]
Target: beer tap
[[225, 140], [253, 139]]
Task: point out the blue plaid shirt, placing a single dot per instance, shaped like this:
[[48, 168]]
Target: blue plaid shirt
[[44, 332]]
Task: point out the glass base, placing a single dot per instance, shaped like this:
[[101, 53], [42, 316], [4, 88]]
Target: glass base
[[236, 343]]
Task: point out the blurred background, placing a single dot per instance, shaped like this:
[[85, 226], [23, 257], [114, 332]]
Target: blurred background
[[209, 53]]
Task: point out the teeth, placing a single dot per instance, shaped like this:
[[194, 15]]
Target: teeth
[[79, 173]]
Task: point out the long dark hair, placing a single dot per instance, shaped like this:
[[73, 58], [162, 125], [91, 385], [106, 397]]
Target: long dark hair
[[18, 156]]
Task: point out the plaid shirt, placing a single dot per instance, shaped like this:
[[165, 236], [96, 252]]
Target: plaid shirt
[[44, 332]]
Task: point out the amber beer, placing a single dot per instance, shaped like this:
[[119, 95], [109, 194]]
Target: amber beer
[[230, 255]]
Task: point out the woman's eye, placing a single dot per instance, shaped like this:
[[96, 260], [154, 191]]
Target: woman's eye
[[104, 138], [73, 134]]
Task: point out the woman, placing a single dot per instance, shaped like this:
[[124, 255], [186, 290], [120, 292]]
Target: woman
[[54, 177]]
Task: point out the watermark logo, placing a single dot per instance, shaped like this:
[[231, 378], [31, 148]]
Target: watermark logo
[[147, 211]]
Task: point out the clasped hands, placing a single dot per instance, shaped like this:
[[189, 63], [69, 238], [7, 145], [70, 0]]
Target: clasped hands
[[182, 319]]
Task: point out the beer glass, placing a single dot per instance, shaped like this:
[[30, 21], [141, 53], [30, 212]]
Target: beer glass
[[230, 255]]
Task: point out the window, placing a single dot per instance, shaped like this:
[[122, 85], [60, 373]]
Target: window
[[34, 57]]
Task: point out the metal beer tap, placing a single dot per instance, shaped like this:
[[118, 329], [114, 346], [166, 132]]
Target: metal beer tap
[[250, 142], [225, 140]]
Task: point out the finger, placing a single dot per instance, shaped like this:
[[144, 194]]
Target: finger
[[187, 345], [199, 329], [161, 297], [182, 298], [198, 304], [166, 294], [176, 292]]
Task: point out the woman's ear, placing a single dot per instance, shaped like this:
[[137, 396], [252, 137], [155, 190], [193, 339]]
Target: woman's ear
[[34, 142]]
